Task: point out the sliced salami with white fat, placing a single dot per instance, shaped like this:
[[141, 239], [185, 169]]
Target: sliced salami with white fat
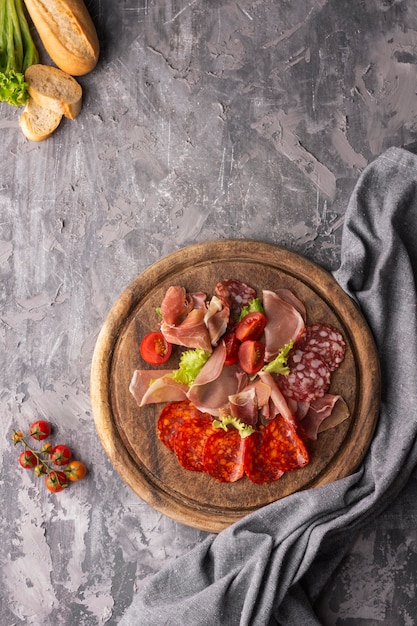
[[326, 341], [309, 376], [234, 294]]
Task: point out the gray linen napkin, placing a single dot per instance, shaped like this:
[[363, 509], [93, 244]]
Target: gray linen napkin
[[269, 567]]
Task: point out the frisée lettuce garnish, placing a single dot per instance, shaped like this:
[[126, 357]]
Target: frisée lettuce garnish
[[279, 364], [228, 420], [253, 306], [191, 362]]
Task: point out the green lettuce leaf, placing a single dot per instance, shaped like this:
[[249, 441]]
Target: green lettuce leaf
[[253, 306], [191, 363], [279, 364], [228, 420], [17, 52], [13, 88]]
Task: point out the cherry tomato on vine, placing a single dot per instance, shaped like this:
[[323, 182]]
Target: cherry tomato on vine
[[232, 347], [56, 481], [251, 326], [75, 470], [60, 455], [154, 349], [27, 459], [251, 356], [40, 430]]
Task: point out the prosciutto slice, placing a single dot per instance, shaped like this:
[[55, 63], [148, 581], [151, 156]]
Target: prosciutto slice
[[285, 323], [152, 386], [216, 319], [244, 406], [176, 305], [324, 413], [191, 333], [277, 397], [215, 383]]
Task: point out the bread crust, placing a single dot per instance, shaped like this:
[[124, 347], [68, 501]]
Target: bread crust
[[54, 89], [67, 32], [38, 123]]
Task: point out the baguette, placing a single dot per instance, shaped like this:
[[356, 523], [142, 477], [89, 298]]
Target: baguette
[[67, 32], [53, 89], [38, 123]]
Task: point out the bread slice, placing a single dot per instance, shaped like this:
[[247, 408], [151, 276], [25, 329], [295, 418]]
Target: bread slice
[[67, 32], [54, 89], [38, 123]]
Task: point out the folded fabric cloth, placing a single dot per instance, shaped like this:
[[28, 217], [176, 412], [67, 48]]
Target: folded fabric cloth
[[270, 567]]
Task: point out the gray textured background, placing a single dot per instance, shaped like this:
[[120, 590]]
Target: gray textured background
[[202, 120]]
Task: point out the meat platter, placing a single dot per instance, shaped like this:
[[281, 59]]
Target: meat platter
[[128, 433]]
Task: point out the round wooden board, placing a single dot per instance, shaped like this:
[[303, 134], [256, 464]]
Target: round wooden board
[[128, 433]]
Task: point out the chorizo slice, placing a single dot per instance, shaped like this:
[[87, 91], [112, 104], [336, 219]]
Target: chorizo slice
[[190, 441], [172, 416], [282, 447], [224, 456], [258, 467]]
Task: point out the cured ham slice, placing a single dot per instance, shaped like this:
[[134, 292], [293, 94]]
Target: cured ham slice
[[216, 319], [191, 333], [152, 386], [244, 406], [324, 413], [215, 383], [176, 305], [278, 398], [285, 323], [291, 298]]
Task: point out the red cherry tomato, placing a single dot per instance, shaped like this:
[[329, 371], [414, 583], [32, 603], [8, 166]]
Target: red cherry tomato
[[56, 481], [251, 326], [60, 455], [40, 430], [154, 349], [251, 356], [27, 459], [232, 348]]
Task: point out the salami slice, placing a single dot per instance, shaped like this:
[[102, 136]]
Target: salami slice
[[224, 456], [282, 447], [325, 340], [309, 376], [172, 416], [190, 441], [258, 467], [234, 294]]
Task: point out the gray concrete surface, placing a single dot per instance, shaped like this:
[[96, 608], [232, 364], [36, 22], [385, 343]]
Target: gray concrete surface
[[202, 120]]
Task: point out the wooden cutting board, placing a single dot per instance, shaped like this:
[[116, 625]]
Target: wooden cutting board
[[128, 433]]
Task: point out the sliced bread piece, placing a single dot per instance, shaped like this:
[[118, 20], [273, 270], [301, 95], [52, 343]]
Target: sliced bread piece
[[38, 123], [54, 89]]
